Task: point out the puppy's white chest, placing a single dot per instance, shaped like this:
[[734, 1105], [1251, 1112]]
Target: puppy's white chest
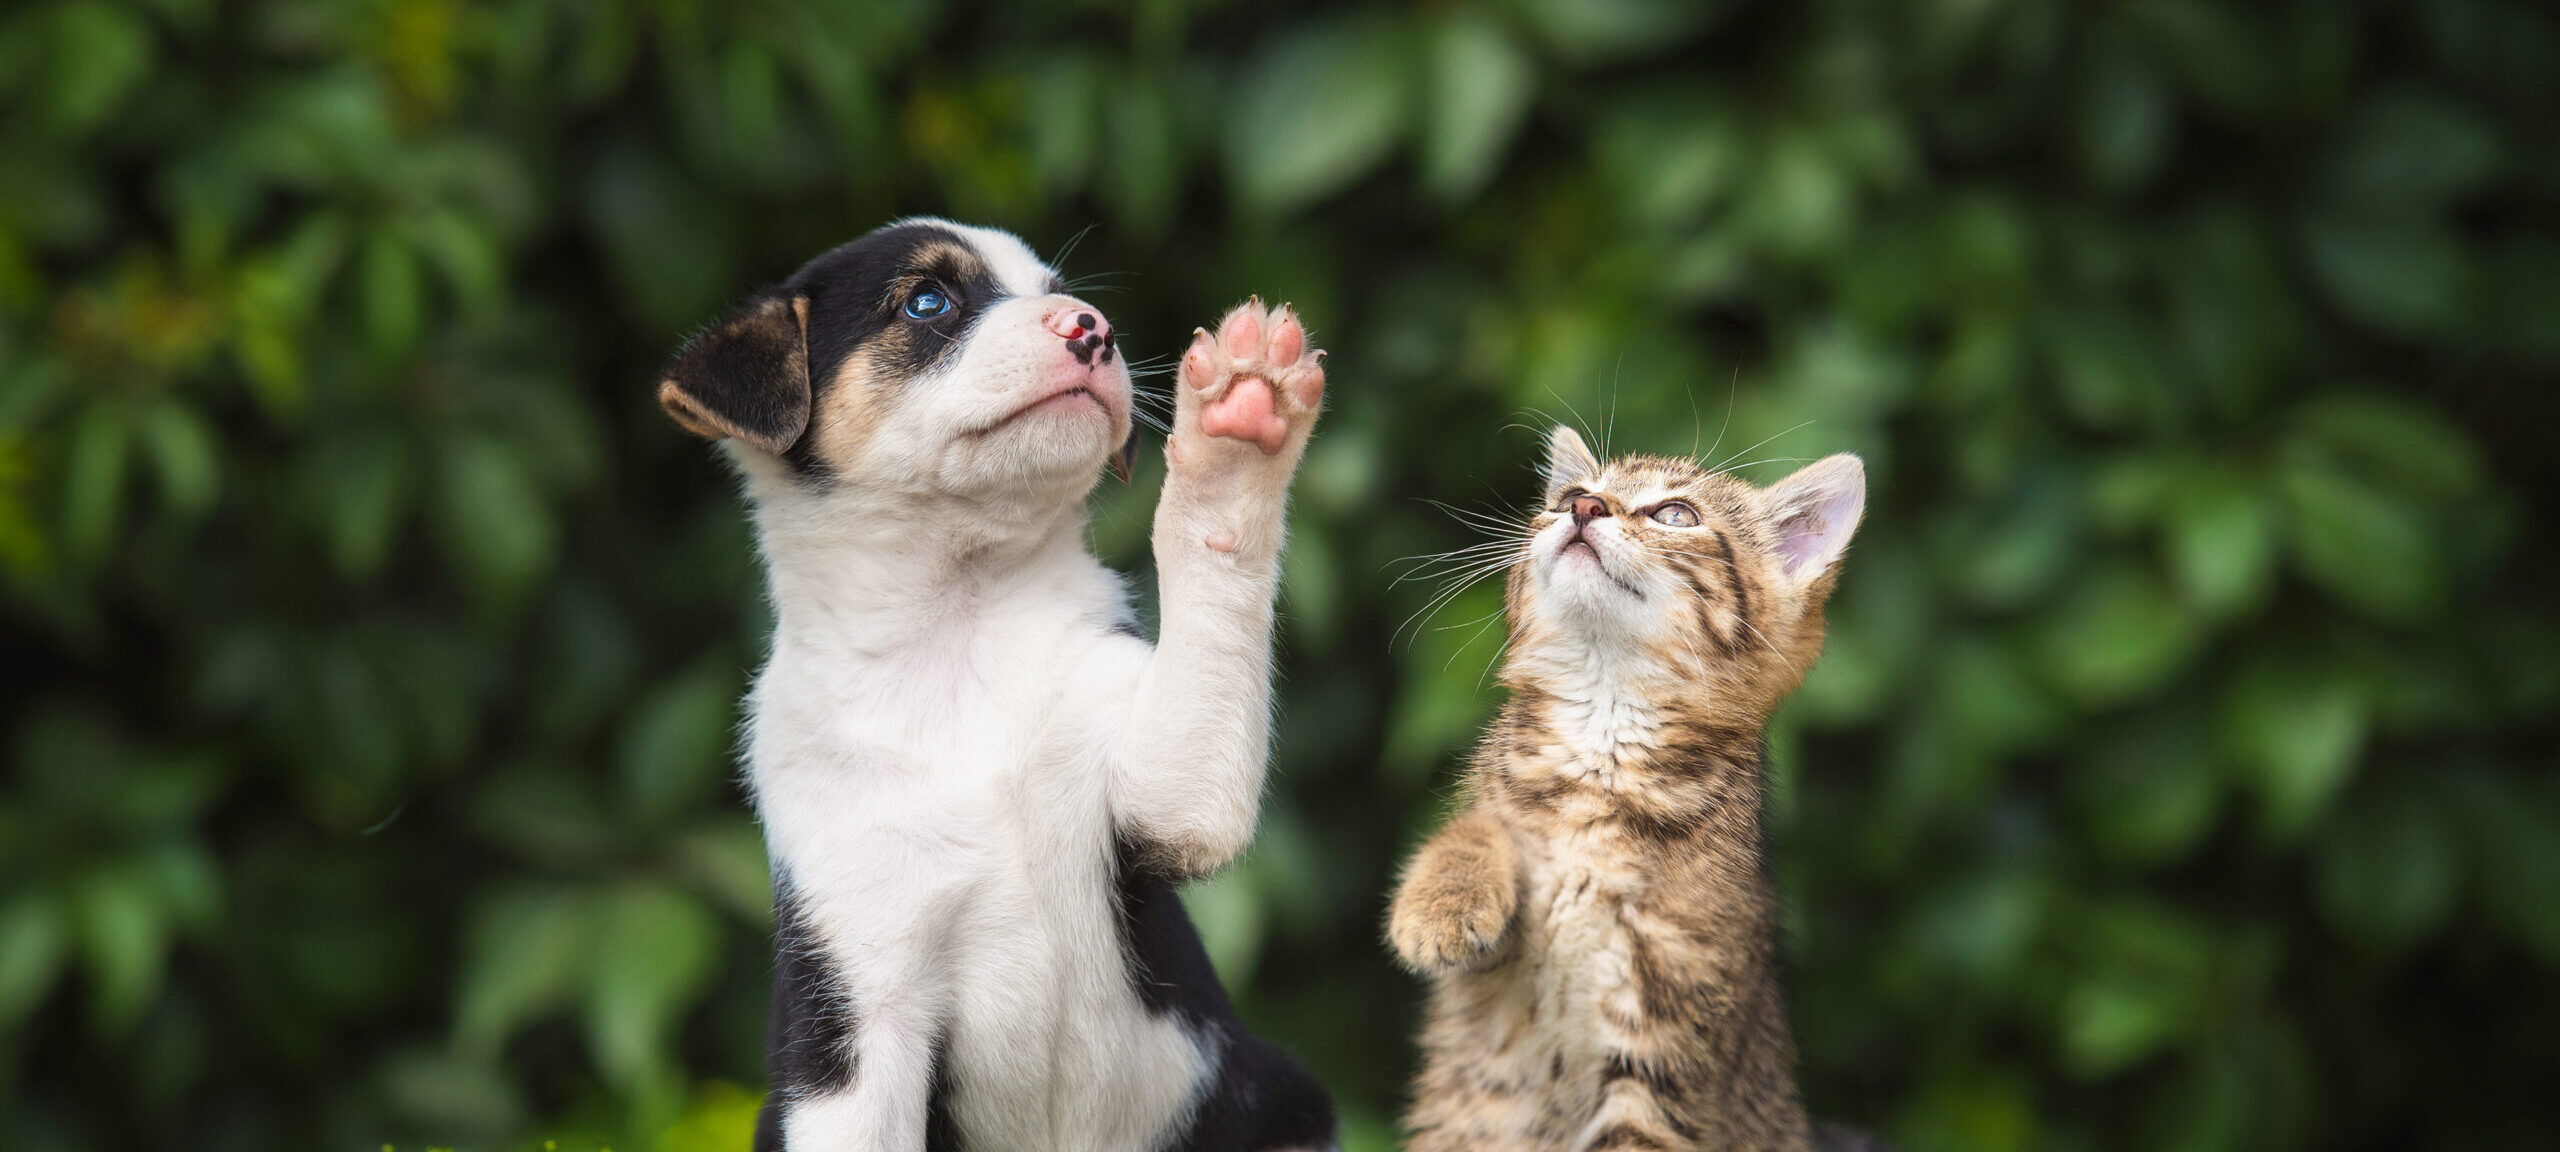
[[945, 753]]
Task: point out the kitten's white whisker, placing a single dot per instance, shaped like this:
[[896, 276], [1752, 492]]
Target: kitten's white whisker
[[1609, 430], [1584, 425], [1440, 600], [1769, 460], [1732, 389], [1763, 440], [1439, 563], [1773, 648], [1489, 619]]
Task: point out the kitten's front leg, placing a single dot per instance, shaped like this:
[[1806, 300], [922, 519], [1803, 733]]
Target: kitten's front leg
[[1453, 909], [1190, 782]]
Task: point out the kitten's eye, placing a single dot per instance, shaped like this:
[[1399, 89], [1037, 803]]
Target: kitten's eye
[[1675, 514], [927, 303]]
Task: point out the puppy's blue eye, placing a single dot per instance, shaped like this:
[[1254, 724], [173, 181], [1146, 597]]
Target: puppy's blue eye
[[928, 304]]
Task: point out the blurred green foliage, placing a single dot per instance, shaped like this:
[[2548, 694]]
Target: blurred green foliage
[[2181, 775]]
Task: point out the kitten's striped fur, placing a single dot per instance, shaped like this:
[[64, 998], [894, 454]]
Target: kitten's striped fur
[[1597, 923]]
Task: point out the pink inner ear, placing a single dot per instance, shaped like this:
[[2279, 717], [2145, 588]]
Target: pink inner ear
[[1816, 535]]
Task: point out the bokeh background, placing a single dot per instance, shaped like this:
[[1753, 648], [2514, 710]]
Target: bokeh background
[[2181, 774]]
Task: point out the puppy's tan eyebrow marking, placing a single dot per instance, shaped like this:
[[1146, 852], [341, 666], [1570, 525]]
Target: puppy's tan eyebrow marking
[[955, 267]]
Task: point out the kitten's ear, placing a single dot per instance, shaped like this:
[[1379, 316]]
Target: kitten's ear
[[1815, 510], [1569, 462], [746, 377]]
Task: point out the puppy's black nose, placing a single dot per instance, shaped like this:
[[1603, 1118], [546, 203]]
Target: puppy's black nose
[[1587, 509], [1087, 334]]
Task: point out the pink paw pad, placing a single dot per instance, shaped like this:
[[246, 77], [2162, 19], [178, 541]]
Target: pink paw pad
[[1256, 377]]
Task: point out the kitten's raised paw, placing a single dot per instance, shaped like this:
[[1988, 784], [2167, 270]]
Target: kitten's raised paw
[[1448, 923], [1255, 380]]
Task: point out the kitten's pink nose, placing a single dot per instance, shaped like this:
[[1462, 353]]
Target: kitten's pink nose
[[1087, 334], [1587, 509]]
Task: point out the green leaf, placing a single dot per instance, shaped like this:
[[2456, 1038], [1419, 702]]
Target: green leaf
[[1065, 99], [2407, 276], [1479, 85], [727, 860], [2295, 732], [186, 881], [93, 484], [497, 523], [1981, 927], [99, 54], [2366, 545], [2105, 367], [1443, 701], [2220, 536], [750, 103], [2111, 1022], [363, 483], [1989, 700], [2387, 874], [1590, 31], [2149, 789], [2412, 150], [1801, 203], [457, 1095], [32, 948], [1976, 1108], [1315, 111], [654, 951], [2119, 636], [2139, 984], [1143, 172], [124, 937], [1879, 623], [526, 950], [2124, 117], [679, 738], [2027, 545], [394, 304], [183, 448], [721, 1118], [1229, 916], [670, 254], [2511, 830], [472, 261], [2389, 440], [1308, 597]]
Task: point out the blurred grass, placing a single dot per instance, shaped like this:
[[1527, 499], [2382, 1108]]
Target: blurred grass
[[2181, 774]]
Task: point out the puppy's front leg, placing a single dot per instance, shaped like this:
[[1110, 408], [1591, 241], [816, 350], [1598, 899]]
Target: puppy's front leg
[[1190, 779], [887, 1101]]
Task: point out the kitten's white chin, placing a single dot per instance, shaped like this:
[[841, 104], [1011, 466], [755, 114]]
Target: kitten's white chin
[[1583, 598]]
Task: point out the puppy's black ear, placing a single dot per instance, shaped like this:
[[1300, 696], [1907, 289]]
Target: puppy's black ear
[[746, 377]]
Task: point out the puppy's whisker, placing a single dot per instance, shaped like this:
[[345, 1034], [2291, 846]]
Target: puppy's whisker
[[1069, 248]]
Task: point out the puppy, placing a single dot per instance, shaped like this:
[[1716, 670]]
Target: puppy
[[979, 783]]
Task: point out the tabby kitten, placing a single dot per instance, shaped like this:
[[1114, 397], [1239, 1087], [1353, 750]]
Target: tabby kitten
[[1598, 923]]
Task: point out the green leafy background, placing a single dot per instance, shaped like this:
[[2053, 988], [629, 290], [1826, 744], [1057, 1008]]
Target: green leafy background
[[2181, 774]]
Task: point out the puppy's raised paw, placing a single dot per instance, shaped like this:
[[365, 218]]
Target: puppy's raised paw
[[1254, 381]]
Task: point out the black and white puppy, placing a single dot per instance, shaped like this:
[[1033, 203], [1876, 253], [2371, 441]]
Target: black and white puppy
[[979, 783]]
